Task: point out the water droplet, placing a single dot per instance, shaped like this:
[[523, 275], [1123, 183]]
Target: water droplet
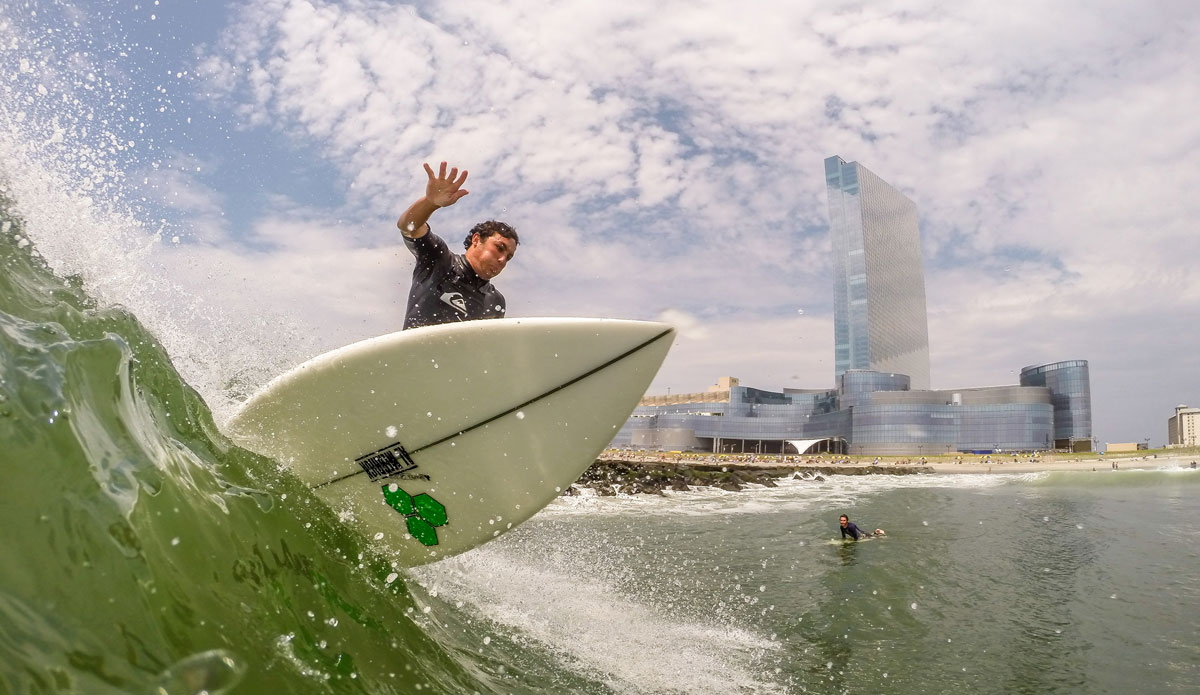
[[520, 414], [391, 578], [914, 606], [487, 640], [211, 672], [175, 540], [924, 523], [379, 536], [391, 431], [428, 413]]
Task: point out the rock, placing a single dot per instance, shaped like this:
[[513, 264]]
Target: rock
[[610, 477]]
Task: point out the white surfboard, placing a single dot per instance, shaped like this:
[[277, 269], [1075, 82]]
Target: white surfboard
[[442, 438]]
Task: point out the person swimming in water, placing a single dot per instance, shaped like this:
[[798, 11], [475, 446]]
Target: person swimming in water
[[849, 529]]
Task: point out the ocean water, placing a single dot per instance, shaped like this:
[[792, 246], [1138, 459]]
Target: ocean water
[[143, 553]]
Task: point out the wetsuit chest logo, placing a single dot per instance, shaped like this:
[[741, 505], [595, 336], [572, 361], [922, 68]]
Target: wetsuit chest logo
[[455, 299]]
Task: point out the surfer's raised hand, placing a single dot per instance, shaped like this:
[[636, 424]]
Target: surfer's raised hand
[[442, 189]]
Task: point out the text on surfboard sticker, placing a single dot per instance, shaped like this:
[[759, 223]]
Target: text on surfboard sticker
[[386, 462]]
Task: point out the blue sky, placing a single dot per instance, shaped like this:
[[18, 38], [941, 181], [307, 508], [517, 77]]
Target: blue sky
[[233, 172]]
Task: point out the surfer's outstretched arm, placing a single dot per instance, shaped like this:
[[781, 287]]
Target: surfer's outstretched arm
[[441, 191]]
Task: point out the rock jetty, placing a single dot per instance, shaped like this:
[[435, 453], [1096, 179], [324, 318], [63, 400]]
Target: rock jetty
[[610, 477]]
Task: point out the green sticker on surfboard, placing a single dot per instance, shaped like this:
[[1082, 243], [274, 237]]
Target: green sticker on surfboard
[[422, 513]]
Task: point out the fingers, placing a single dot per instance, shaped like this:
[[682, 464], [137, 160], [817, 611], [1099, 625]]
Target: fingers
[[454, 178]]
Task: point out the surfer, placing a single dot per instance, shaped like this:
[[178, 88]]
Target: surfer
[[849, 529], [446, 286]]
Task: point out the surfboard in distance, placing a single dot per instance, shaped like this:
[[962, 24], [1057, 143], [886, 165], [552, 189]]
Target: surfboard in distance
[[438, 439]]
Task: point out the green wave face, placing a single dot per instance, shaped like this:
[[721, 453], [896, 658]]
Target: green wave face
[[143, 552]]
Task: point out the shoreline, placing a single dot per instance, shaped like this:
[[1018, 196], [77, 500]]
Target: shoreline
[[624, 473]]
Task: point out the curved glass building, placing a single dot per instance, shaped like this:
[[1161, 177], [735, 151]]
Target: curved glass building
[[1071, 392]]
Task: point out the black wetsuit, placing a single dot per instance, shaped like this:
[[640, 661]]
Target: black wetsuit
[[853, 531], [445, 288]]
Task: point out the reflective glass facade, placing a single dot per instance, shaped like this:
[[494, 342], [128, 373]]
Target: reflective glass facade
[[1071, 392], [874, 413], [879, 281]]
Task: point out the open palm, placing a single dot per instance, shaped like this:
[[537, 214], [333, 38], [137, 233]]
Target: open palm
[[445, 189]]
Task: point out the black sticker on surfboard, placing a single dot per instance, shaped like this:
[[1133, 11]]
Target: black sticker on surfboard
[[388, 461]]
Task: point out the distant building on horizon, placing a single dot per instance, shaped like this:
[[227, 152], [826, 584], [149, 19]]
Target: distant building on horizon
[[882, 403], [1182, 426], [879, 315]]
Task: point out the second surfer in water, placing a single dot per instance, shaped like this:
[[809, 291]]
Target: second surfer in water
[[849, 529]]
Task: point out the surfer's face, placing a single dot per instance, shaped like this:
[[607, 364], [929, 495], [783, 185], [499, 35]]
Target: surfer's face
[[843, 521], [491, 255]]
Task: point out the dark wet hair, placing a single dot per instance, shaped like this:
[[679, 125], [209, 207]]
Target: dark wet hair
[[486, 229]]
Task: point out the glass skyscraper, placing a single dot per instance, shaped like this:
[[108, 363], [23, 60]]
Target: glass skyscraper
[[879, 282]]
